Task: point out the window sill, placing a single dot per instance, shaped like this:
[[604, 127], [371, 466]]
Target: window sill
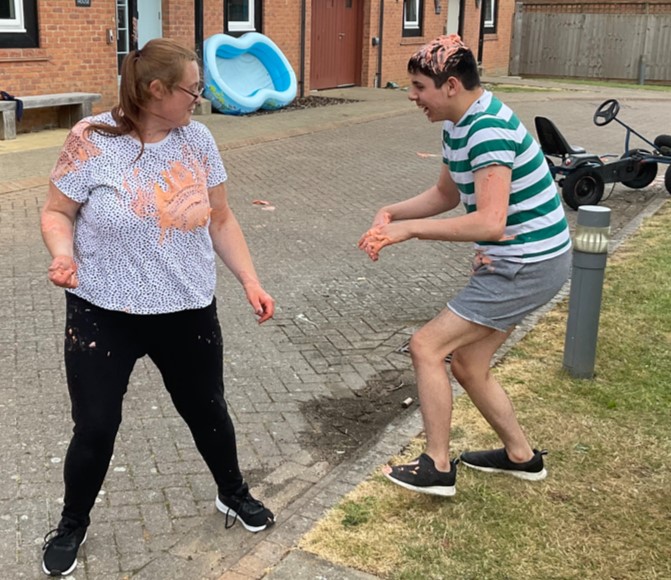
[[23, 55], [22, 58]]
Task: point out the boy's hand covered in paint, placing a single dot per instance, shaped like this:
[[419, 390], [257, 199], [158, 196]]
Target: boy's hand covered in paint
[[380, 236]]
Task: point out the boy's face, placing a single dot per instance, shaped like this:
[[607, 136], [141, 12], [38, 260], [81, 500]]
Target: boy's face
[[434, 102]]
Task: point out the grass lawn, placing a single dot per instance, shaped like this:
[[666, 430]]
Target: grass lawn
[[604, 512]]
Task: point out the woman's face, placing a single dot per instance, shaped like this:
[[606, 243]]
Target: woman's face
[[177, 106]]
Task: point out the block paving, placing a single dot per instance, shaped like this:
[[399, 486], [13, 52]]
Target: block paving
[[339, 324]]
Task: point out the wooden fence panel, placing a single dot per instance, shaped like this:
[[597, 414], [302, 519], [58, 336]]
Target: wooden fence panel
[[659, 43], [591, 45]]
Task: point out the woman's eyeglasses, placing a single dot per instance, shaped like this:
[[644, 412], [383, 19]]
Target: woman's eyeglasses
[[196, 96]]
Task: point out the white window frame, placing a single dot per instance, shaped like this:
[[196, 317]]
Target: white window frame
[[411, 24], [126, 28], [243, 25], [490, 19], [16, 24]]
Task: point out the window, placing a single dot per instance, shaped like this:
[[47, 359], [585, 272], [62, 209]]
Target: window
[[11, 16], [240, 16], [413, 11], [489, 6], [123, 32], [18, 24]]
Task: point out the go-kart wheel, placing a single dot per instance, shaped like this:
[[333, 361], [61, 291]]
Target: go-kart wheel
[[667, 179], [583, 186], [646, 172], [606, 112]]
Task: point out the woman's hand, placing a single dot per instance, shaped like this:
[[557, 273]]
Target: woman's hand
[[262, 302], [63, 272]]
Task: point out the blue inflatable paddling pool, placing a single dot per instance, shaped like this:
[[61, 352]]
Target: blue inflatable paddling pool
[[245, 74]]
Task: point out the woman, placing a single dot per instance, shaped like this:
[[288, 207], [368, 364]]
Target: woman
[[136, 211]]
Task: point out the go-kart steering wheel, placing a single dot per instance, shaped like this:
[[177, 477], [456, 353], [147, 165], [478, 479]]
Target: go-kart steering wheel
[[606, 112]]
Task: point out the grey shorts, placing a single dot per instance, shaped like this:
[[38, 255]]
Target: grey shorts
[[501, 294]]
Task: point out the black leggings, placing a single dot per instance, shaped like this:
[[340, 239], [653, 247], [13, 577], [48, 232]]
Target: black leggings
[[101, 348]]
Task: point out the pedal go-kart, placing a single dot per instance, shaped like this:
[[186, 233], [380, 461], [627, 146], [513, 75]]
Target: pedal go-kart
[[582, 175]]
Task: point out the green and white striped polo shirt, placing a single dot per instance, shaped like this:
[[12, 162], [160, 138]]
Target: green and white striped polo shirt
[[491, 134]]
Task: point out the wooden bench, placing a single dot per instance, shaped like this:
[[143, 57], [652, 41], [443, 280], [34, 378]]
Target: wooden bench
[[72, 107]]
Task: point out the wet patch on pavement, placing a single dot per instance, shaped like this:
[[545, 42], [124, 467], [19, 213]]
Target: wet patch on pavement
[[343, 426]]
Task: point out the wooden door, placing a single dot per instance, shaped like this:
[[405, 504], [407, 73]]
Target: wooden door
[[335, 56]]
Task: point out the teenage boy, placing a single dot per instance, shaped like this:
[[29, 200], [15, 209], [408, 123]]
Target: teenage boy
[[514, 216]]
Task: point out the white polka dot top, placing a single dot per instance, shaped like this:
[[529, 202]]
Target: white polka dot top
[[141, 242]]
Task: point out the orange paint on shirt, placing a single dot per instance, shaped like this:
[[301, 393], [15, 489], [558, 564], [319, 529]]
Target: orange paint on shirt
[[183, 204], [76, 150]]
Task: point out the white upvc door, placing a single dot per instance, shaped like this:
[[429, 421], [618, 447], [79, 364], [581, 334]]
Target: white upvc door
[[150, 21]]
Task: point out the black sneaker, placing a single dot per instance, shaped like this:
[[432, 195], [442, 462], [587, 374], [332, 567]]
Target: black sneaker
[[249, 511], [423, 476], [61, 546], [497, 461]]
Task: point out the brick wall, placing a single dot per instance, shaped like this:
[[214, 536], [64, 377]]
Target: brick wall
[[179, 22], [496, 47], [74, 54], [396, 49], [282, 24], [73, 57]]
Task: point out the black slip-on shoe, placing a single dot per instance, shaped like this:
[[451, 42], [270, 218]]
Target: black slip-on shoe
[[497, 461], [423, 477]]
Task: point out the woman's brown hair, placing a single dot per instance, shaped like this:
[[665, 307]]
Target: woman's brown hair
[[159, 59]]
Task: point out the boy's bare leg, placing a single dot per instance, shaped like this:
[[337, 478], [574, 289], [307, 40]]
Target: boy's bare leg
[[471, 367], [429, 346]]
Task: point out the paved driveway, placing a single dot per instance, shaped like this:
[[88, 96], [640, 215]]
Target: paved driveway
[[340, 322]]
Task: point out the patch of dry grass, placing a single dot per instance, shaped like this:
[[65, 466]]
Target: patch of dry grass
[[605, 509]]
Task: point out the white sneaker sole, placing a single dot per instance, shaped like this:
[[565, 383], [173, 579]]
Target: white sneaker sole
[[526, 475], [71, 569], [441, 490], [224, 509]]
